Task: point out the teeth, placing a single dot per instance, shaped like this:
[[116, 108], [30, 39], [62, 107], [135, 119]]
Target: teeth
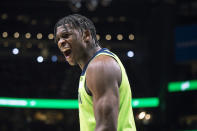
[[66, 52]]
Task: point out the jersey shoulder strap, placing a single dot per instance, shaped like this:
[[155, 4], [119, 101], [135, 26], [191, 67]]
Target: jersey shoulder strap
[[103, 50]]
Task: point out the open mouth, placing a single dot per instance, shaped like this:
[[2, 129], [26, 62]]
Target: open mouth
[[67, 53]]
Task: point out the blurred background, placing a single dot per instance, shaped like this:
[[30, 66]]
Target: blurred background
[[155, 39]]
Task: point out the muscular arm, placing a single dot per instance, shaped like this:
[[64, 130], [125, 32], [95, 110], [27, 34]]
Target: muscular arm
[[103, 79]]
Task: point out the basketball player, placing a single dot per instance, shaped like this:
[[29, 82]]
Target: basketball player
[[104, 90]]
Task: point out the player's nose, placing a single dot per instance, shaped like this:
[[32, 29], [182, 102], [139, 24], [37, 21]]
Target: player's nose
[[62, 43]]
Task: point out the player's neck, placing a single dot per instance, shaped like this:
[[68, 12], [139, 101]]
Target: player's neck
[[89, 54]]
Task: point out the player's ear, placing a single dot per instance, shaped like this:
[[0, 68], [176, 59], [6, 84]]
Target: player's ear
[[86, 36]]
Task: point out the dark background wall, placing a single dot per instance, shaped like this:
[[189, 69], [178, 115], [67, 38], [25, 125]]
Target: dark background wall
[[154, 65]]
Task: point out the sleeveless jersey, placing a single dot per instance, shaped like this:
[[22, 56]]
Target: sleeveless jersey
[[86, 112]]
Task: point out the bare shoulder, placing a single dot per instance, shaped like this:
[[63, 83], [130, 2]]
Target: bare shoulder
[[105, 65], [103, 71]]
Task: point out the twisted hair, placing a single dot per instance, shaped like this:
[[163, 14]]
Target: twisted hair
[[79, 22]]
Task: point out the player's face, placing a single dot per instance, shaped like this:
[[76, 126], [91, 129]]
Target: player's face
[[70, 43]]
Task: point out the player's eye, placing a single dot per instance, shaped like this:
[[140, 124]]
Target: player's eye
[[65, 35]]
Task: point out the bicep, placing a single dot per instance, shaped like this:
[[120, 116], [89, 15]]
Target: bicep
[[103, 77], [103, 81]]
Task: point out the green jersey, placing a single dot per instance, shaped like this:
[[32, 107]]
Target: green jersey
[[86, 112]]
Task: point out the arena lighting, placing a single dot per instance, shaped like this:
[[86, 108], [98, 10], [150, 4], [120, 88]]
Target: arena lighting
[[106, 2], [50, 36], [122, 19], [148, 116], [131, 37], [40, 45], [5, 34], [98, 37], [39, 103], [182, 86], [78, 5], [29, 45], [65, 103], [75, 5], [91, 4], [18, 44], [40, 59], [110, 19], [108, 37], [54, 58], [145, 102], [15, 51], [142, 115], [16, 35], [119, 37], [4, 16], [5, 44], [39, 36], [33, 22], [27, 35], [130, 54]]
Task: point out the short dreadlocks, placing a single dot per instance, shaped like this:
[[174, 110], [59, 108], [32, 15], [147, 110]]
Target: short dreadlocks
[[79, 22]]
